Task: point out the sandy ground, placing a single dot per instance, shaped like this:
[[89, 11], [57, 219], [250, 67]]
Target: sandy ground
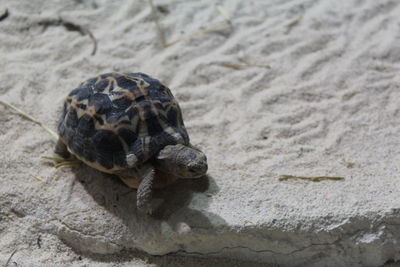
[[292, 87]]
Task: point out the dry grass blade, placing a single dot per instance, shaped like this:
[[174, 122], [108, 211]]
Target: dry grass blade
[[348, 96], [233, 66], [214, 28], [292, 24], [244, 64], [55, 159], [28, 117], [311, 178], [67, 163], [38, 178], [248, 63], [160, 32], [224, 14], [60, 162]]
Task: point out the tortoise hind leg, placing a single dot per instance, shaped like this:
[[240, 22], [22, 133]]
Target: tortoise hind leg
[[61, 149]]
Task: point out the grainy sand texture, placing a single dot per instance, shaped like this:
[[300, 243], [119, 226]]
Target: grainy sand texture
[[306, 88]]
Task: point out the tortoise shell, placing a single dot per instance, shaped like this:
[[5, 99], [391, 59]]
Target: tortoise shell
[[120, 120]]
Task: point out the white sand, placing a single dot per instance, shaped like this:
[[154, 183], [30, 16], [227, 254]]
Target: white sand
[[318, 95]]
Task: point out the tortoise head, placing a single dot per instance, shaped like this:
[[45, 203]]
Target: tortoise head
[[182, 161]]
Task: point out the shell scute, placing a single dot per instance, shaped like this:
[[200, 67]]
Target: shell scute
[[105, 159], [101, 102], [106, 141], [127, 135], [88, 153], [101, 85], [126, 83], [114, 118], [89, 83], [72, 119], [86, 126], [122, 103], [84, 93]]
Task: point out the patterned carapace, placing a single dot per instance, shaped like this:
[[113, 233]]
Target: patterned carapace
[[118, 120]]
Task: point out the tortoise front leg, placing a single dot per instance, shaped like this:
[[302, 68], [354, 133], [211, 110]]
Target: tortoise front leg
[[145, 190], [142, 179]]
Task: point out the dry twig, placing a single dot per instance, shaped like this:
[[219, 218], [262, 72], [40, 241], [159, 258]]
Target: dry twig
[[9, 258], [70, 27], [4, 15]]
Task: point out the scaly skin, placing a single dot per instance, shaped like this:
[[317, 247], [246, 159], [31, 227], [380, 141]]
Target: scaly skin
[[145, 190], [182, 161]]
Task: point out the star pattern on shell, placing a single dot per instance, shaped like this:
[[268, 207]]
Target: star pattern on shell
[[120, 120]]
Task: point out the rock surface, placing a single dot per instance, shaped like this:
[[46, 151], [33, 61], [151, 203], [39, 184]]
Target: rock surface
[[294, 87]]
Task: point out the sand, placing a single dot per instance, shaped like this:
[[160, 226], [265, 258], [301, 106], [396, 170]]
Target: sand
[[289, 87]]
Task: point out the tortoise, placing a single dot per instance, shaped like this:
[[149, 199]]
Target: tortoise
[[130, 125]]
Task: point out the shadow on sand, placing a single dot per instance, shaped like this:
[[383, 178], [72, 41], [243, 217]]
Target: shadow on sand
[[176, 200]]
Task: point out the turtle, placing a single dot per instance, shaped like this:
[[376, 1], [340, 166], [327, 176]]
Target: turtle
[[129, 125]]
